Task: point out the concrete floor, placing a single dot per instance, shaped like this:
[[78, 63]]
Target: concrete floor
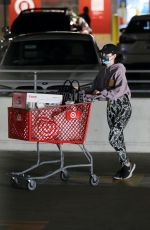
[[75, 204]]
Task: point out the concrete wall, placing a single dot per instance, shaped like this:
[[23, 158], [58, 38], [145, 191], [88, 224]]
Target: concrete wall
[[137, 132]]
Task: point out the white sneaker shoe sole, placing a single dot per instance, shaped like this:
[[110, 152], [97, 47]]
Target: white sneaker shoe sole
[[132, 170], [129, 176]]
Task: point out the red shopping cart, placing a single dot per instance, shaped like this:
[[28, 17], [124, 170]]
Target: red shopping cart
[[52, 124]]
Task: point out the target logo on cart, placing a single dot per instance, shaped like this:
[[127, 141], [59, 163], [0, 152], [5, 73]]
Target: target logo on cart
[[71, 114]]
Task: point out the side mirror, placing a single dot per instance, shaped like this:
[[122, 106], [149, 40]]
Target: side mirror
[[6, 31]]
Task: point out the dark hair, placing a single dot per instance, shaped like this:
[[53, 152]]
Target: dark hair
[[119, 58], [110, 48], [114, 49]]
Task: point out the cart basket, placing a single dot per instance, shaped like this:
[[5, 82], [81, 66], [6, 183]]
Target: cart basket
[[52, 124]]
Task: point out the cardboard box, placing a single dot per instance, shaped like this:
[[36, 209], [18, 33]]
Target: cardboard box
[[35, 100]]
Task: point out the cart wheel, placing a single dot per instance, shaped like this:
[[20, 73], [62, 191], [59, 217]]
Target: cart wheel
[[94, 180], [64, 175], [31, 184]]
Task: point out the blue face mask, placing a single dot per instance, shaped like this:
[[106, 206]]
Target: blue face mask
[[105, 60]]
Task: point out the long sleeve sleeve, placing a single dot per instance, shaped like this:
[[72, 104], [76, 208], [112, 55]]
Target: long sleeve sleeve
[[121, 86]]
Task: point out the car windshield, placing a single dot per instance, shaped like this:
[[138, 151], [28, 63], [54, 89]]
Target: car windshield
[[138, 26], [50, 52], [40, 22]]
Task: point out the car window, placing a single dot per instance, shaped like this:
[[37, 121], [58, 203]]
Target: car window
[[40, 22], [50, 52], [138, 26]]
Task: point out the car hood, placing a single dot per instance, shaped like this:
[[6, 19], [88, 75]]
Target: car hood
[[138, 36], [52, 67], [17, 77]]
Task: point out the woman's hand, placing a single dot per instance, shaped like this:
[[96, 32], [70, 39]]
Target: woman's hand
[[96, 92]]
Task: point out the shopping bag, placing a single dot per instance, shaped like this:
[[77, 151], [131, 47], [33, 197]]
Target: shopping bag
[[79, 95], [71, 91]]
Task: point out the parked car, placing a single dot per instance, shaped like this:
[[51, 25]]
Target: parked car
[[53, 56], [47, 19], [43, 19], [135, 41]]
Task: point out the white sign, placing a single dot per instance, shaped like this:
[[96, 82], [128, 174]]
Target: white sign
[[97, 5], [23, 5]]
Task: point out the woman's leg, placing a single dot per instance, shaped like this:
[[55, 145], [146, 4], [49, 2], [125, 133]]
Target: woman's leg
[[118, 115]]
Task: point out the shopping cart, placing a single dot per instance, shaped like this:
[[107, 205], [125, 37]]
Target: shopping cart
[[53, 124]]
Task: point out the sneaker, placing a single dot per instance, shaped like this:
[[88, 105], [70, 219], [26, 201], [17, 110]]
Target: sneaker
[[125, 172]]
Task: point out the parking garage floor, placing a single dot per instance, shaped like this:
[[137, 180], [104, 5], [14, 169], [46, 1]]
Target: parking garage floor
[[75, 204]]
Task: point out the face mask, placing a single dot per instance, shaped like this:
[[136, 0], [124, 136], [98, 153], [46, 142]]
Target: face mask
[[105, 60]]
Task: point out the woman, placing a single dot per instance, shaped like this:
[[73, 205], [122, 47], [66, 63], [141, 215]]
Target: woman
[[111, 85]]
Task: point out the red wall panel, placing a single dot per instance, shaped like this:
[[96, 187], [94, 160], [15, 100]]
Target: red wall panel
[[100, 18]]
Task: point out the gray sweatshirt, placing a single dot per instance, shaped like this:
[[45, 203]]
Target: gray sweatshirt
[[115, 73]]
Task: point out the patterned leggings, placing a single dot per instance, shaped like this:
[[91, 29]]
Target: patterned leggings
[[118, 113]]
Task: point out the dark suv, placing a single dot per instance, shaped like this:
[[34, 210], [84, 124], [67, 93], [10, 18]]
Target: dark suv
[[54, 56], [40, 20], [135, 41], [45, 19]]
